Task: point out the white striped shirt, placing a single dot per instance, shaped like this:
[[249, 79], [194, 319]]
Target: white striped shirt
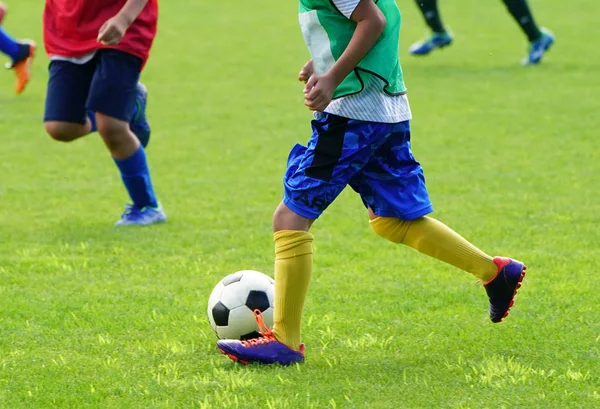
[[346, 7], [372, 104]]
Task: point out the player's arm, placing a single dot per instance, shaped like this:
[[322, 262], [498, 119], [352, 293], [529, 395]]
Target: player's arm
[[132, 9], [370, 24], [115, 28]]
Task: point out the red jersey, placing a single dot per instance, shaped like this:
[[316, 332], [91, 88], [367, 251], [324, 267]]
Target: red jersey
[[71, 27]]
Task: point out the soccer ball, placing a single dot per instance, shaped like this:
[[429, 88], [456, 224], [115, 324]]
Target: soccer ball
[[232, 303]]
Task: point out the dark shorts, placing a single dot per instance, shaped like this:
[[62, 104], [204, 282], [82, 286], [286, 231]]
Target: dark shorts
[[375, 159], [105, 84]]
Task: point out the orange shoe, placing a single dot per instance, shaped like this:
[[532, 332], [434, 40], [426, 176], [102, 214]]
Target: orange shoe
[[22, 66], [3, 11]]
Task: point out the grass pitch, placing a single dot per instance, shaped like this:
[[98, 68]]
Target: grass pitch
[[98, 317]]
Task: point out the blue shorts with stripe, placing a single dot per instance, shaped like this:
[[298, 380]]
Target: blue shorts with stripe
[[375, 159]]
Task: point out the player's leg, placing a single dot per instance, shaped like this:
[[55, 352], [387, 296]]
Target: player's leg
[[65, 115], [540, 39], [315, 176], [440, 37], [431, 14], [21, 54], [393, 188], [501, 276], [293, 270], [8, 44], [114, 98]]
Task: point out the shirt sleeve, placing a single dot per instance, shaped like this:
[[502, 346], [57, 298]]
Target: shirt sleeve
[[346, 7]]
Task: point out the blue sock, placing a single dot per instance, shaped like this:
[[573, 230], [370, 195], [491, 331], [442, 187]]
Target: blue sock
[[8, 45], [136, 177], [92, 116]]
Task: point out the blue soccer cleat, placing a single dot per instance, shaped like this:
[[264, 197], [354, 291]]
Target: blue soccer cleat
[[136, 216], [437, 40], [139, 124], [538, 48], [263, 350], [501, 290]]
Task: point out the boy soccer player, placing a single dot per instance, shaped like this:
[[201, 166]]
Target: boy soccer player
[[97, 49], [20, 52], [361, 138], [540, 39]]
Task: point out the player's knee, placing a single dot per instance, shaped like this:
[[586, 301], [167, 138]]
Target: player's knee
[[111, 128], [380, 227], [285, 218], [114, 132], [61, 131], [390, 228]]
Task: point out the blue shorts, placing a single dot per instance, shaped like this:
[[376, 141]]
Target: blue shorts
[[375, 159], [105, 84]]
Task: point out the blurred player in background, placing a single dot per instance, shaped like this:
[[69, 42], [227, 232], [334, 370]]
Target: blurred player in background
[[361, 137], [97, 49], [20, 52], [540, 39]]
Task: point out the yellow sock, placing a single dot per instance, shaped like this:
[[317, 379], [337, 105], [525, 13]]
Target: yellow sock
[[293, 268], [437, 240]]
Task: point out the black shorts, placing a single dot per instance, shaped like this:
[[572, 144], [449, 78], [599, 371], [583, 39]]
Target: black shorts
[[106, 84]]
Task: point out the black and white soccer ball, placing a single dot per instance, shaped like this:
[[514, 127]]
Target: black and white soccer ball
[[232, 303]]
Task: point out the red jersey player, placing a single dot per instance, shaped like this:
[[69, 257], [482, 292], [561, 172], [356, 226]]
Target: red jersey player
[[97, 50]]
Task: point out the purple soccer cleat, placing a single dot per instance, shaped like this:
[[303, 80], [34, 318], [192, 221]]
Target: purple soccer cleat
[[501, 290], [264, 350]]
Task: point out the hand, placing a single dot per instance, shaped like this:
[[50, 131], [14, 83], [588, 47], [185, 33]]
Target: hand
[[306, 71], [113, 30], [318, 92]]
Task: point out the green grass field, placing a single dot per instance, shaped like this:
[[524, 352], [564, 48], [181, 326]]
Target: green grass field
[[97, 317]]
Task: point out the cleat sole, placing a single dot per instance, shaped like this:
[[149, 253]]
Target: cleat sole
[[233, 357]]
